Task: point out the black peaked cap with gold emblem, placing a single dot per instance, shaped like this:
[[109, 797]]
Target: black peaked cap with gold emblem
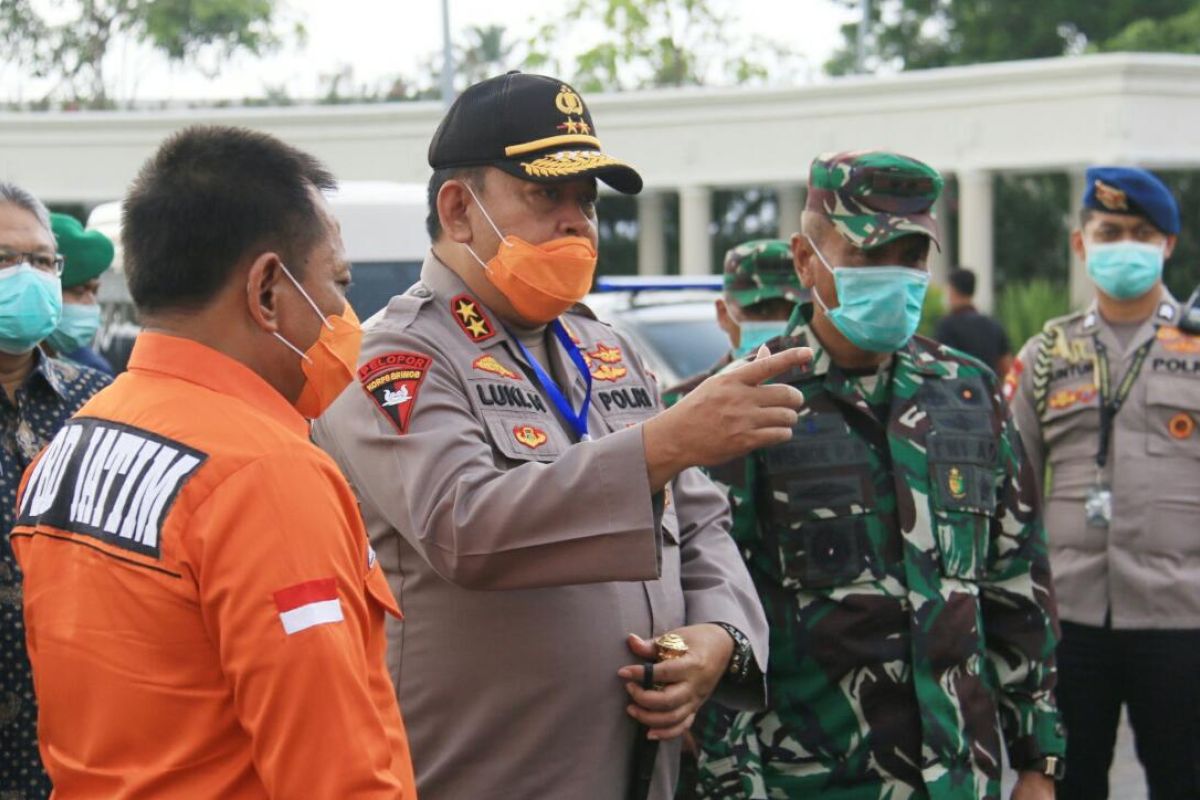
[[534, 127]]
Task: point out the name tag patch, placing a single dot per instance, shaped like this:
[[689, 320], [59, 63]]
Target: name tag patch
[[108, 481]]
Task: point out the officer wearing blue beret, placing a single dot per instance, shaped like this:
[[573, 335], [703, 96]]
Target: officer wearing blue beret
[[1107, 401]]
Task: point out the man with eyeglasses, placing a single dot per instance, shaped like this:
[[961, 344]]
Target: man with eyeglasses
[[39, 394]]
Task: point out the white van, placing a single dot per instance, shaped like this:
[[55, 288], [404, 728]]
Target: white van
[[383, 228]]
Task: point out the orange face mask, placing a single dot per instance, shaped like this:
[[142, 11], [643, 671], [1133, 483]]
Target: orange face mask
[[330, 362], [541, 281]]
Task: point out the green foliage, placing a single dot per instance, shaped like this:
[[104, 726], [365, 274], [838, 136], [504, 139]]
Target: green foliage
[[932, 310], [1031, 227], [920, 34], [1176, 34], [73, 51], [650, 43], [1023, 308], [1182, 271]]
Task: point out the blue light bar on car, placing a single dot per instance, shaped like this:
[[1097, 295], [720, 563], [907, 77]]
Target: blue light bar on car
[[657, 283]]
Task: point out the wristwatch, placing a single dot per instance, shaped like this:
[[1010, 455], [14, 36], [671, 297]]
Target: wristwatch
[[1051, 766], [743, 655]]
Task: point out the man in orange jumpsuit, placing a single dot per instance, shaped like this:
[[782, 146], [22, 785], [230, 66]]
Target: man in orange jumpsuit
[[205, 617]]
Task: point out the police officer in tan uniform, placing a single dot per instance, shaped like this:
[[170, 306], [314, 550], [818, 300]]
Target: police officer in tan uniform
[[538, 516], [1107, 402]]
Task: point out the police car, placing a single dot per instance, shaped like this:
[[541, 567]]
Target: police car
[[671, 321]]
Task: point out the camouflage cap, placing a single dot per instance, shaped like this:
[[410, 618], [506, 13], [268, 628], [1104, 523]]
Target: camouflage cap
[[762, 270], [873, 197]]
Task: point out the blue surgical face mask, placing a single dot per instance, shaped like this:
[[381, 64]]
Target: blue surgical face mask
[[1125, 270], [753, 334], [879, 308], [76, 329], [30, 307]]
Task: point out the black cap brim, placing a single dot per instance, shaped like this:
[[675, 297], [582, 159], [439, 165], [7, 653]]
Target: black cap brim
[[567, 165]]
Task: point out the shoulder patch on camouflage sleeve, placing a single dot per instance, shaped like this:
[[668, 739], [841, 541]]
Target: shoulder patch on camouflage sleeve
[[392, 381]]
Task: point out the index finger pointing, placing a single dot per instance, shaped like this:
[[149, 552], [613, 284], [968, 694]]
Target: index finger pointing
[[761, 369]]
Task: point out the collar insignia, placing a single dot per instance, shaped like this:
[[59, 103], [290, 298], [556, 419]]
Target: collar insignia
[[470, 317]]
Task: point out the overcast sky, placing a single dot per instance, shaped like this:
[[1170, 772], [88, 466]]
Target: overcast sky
[[383, 38]]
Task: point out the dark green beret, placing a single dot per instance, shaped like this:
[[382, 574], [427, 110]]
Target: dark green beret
[[86, 254]]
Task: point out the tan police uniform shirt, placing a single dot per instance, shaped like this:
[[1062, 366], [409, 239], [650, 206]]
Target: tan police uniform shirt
[[1145, 566], [523, 559]]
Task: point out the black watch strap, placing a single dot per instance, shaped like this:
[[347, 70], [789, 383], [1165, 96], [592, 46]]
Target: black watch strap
[[743, 655], [1050, 766]]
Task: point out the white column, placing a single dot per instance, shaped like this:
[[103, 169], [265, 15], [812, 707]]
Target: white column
[[939, 260], [791, 206], [1079, 282], [975, 233], [652, 239], [695, 221]]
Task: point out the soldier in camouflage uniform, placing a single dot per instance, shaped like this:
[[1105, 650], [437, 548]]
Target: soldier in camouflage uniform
[[760, 292], [896, 540]]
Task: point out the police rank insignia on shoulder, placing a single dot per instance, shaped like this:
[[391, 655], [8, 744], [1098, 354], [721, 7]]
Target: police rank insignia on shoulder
[[1111, 197], [528, 435], [470, 317], [393, 381]]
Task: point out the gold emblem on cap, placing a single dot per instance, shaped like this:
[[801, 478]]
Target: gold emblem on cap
[[567, 162], [1111, 197], [568, 102]]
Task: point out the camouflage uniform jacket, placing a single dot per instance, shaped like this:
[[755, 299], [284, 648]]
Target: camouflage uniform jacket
[[897, 546], [674, 394]]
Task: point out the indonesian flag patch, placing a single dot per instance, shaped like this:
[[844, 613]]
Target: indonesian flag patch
[[393, 381], [309, 604]]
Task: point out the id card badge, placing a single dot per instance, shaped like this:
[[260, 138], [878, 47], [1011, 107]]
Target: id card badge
[[1098, 506]]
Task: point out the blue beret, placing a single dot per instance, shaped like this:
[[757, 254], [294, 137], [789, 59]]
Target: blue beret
[[1129, 190]]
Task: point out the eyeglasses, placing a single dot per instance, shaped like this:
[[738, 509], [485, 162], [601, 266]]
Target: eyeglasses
[[44, 262]]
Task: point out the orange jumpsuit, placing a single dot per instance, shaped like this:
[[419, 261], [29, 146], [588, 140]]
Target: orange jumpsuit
[[205, 616]]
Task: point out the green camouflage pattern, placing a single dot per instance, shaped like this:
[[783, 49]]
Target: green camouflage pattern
[[873, 197], [897, 546], [673, 394], [761, 270]]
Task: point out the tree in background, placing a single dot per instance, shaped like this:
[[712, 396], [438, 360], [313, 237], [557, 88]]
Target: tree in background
[[920, 34], [643, 44], [1031, 224], [71, 46]]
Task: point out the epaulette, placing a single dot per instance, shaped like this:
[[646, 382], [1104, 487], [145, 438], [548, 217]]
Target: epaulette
[[584, 311], [401, 310]]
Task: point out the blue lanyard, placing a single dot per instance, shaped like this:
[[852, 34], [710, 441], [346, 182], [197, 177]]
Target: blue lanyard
[[579, 422]]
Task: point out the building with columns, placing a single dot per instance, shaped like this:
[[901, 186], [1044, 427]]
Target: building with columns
[[1053, 115]]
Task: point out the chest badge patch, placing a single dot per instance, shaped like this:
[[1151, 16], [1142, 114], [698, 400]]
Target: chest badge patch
[[1174, 340], [392, 381], [605, 363], [470, 317], [1181, 425], [955, 483], [490, 364], [528, 435]]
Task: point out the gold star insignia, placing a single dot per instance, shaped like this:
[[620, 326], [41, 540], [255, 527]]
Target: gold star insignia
[[477, 327], [584, 128], [466, 310]]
